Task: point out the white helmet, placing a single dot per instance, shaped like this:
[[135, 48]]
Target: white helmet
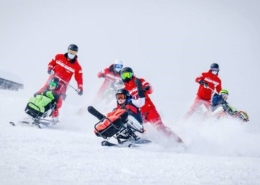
[[118, 65]]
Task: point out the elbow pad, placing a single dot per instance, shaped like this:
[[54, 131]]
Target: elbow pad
[[139, 102]]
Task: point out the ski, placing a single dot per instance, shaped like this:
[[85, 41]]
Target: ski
[[12, 123], [142, 141], [32, 123], [109, 144]]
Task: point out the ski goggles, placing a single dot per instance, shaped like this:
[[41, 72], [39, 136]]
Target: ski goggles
[[214, 69], [126, 75], [52, 84], [120, 96], [118, 66]]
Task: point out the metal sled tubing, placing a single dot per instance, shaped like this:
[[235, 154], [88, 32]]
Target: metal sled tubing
[[52, 108], [111, 125], [38, 118], [135, 128], [130, 134]]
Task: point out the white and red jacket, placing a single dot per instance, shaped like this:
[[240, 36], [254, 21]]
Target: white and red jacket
[[65, 69], [132, 89], [213, 82], [111, 76]]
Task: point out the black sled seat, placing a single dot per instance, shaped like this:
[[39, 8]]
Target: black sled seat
[[110, 125], [33, 112], [107, 128]]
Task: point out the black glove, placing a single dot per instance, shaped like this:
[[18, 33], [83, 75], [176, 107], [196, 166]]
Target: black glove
[[140, 90], [49, 71], [80, 92], [205, 84], [147, 88], [202, 82]]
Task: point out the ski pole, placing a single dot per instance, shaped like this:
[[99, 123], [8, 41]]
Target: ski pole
[[207, 87], [67, 84], [71, 86]]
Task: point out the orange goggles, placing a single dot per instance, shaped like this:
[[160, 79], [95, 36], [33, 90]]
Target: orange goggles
[[120, 96]]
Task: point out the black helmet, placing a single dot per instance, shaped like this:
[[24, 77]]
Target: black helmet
[[127, 69], [126, 74], [125, 92], [214, 66], [54, 82], [73, 47]]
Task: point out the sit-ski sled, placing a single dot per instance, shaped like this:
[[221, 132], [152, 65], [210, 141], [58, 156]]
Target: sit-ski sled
[[36, 117], [124, 130], [126, 135]]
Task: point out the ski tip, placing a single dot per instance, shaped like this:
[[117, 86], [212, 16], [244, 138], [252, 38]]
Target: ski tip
[[132, 145], [107, 143], [103, 143], [12, 123]]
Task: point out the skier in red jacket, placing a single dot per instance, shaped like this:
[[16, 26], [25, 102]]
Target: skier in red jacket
[[112, 82], [111, 75], [209, 82], [148, 110], [64, 66]]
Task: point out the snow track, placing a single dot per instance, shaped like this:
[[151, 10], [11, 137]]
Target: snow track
[[70, 153]]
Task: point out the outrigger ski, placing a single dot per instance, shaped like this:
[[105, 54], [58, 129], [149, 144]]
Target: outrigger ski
[[44, 122], [107, 143], [126, 144]]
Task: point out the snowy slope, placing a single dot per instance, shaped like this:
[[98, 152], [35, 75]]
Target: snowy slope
[[70, 153], [169, 43]]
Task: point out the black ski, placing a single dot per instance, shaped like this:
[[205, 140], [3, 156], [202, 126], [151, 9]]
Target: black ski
[[107, 143], [12, 123], [45, 123], [25, 122]]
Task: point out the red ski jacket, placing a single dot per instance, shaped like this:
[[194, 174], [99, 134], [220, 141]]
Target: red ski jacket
[[65, 68], [109, 74], [132, 89], [212, 80]]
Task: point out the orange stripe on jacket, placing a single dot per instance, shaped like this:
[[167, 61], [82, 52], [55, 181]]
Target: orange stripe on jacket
[[111, 117]]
